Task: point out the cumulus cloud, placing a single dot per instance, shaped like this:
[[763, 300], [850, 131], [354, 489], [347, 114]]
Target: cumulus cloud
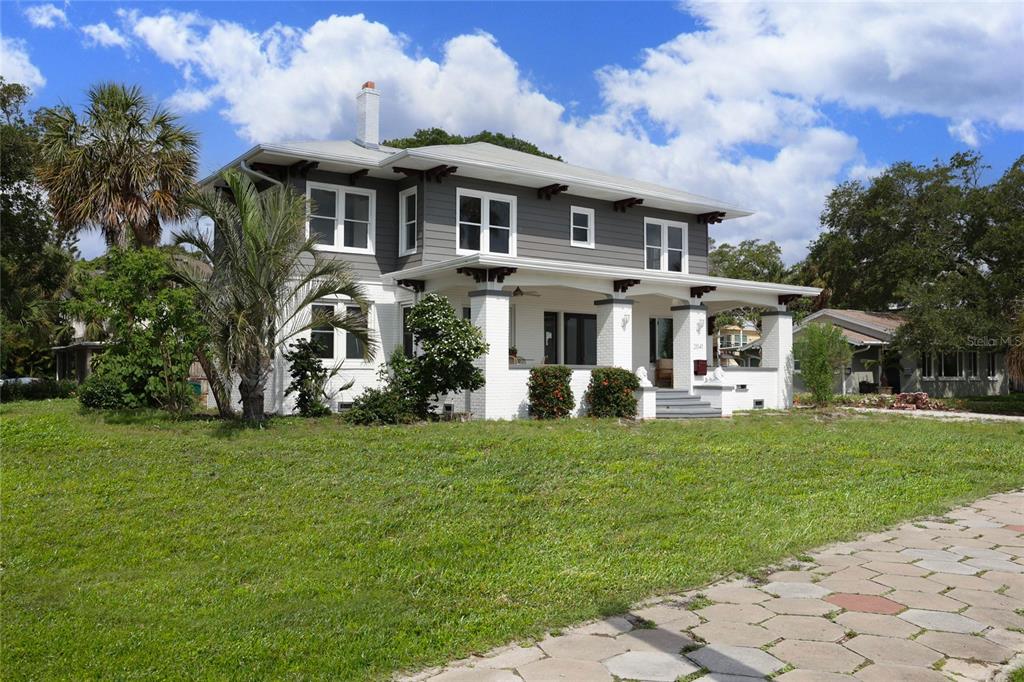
[[752, 77], [104, 35], [16, 66], [46, 16]]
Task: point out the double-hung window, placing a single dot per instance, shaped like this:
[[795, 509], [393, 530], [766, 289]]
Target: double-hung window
[[486, 222], [407, 222], [991, 370], [949, 365], [326, 338], [341, 218], [927, 366], [665, 245], [581, 227]]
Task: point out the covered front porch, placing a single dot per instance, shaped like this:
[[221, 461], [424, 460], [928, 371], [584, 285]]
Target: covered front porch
[[650, 322]]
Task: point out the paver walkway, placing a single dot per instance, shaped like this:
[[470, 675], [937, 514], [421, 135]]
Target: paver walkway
[[941, 599]]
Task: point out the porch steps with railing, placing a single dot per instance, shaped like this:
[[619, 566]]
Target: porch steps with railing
[[673, 403]]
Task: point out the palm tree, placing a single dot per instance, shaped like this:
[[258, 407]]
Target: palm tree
[[121, 169], [262, 275]]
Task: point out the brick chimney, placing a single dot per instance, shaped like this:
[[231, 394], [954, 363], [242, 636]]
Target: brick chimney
[[368, 115]]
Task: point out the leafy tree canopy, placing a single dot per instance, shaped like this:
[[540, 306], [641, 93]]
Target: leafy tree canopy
[[931, 241], [35, 257], [751, 259], [425, 137]]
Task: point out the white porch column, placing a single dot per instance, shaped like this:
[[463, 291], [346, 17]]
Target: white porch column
[[689, 342], [489, 312], [777, 351], [615, 332]]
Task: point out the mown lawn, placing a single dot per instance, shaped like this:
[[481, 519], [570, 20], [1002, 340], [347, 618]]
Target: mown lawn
[[134, 546], [1012, 404]]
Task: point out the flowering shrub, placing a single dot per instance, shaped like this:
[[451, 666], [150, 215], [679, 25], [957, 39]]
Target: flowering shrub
[[550, 394], [612, 393]]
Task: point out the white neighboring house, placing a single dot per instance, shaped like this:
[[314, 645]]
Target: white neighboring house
[[962, 373], [554, 262]]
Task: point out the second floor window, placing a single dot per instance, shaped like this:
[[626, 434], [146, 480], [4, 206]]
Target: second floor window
[[407, 222], [341, 219], [581, 227], [665, 245], [486, 223]]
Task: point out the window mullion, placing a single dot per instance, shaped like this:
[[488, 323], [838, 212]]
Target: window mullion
[[339, 220]]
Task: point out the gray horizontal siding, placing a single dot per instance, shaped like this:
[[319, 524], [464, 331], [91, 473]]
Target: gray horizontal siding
[[543, 227]]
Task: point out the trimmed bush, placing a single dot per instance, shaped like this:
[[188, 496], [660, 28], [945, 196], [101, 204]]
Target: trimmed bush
[[40, 390], [106, 390], [550, 394], [376, 406], [611, 393]]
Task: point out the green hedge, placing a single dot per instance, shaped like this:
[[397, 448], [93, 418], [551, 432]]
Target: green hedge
[[40, 390], [550, 394], [611, 393]]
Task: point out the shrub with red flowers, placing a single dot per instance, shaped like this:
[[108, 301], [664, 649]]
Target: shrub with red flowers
[[612, 393], [550, 394]]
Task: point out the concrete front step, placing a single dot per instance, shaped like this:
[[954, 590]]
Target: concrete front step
[[707, 413]]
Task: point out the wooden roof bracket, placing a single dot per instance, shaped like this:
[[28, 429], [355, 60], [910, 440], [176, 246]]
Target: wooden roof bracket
[[417, 285], [698, 292], [711, 218], [549, 191], [622, 204], [621, 285]]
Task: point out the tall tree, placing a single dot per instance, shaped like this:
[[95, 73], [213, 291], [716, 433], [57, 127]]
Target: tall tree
[[257, 287], [35, 257], [122, 168], [751, 259], [425, 137], [933, 242]]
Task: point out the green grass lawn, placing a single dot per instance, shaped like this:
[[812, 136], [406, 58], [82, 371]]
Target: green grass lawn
[[135, 546], [1012, 404]]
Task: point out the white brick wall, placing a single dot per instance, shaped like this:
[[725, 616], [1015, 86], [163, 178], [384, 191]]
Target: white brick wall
[[689, 327], [777, 352], [615, 334]]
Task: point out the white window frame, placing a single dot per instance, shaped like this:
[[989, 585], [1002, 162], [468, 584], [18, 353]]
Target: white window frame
[[403, 222], [341, 336], [940, 369], [991, 363], [485, 226], [339, 217], [665, 225], [928, 366], [591, 228]]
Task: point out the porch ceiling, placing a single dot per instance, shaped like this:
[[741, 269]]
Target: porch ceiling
[[727, 293]]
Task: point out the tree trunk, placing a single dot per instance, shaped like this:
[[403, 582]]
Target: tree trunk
[[252, 391], [218, 386]]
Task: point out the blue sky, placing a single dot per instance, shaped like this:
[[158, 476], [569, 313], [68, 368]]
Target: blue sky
[[767, 106]]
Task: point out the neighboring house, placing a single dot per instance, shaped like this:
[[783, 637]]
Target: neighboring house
[[565, 264], [73, 362], [731, 338], [876, 364]]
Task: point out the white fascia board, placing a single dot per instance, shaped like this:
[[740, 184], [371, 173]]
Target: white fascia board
[[596, 271], [298, 154], [688, 204]]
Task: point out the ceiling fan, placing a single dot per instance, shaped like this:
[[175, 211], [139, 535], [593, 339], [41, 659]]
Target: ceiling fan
[[518, 291]]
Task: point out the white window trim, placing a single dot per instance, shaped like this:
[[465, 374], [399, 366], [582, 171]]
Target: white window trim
[[591, 227], [485, 234], [665, 224], [339, 217], [990, 360], [403, 222], [341, 336]]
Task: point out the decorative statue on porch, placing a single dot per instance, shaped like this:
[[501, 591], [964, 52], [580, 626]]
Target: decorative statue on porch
[[641, 374], [715, 376]]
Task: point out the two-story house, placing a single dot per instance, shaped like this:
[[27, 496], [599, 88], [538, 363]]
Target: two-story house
[[554, 262]]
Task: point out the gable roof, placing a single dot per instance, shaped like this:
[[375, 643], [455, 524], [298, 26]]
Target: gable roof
[[485, 161], [859, 327]]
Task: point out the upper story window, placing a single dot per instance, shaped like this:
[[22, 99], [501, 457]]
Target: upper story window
[[407, 222], [665, 245], [581, 227], [486, 222], [342, 219]]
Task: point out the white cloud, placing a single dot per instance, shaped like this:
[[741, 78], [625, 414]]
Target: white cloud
[[46, 16], [16, 66], [762, 75], [965, 132], [104, 35]]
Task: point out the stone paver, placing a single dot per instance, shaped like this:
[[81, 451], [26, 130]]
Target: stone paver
[[866, 603], [823, 656], [810, 628], [793, 606], [965, 646], [650, 665], [876, 624], [891, 650], [798, 590], [734, 634], [735, 660], [564, 670], [941, 621], [932, 600]]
